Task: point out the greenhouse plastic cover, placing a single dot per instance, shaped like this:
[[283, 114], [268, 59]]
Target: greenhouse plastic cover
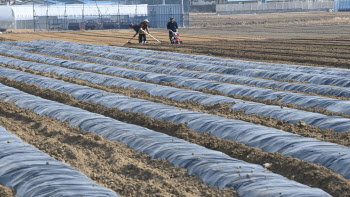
[[291, 86], [206, 59], [6, 13], [314, 78], [336, 123], [278, 75], [213, 167], [216, 60], [333, 156], [25, 12], [303, 100], [24, 168]]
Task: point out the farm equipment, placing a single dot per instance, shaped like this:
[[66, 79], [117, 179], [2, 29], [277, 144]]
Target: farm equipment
[[175, 39]]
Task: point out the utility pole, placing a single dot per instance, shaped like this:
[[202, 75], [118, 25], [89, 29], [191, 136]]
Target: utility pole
[[118, 16], [47, 16], [33, 16], [99, 11], [65, 16], [183, 13], [82, 16]]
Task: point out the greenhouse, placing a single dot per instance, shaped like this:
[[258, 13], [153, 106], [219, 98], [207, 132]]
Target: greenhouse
[[52, 16]]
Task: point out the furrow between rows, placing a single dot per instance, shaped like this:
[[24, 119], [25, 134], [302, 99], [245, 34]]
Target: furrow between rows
[[307, 102], [315, 75], [31, 172], [269, 139], [298, 170], [212, 167], [318, 90], [109, 163], [221, 109], [336, 123]]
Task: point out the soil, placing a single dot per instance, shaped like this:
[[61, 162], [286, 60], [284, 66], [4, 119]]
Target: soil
[[314, 38], [108, 163], [6, 192], [222, 109], [215, 92], [278, 89], [52, 130]]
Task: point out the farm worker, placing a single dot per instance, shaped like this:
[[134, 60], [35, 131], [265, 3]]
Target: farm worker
[[136, 28], [172, 25], [143, 27]]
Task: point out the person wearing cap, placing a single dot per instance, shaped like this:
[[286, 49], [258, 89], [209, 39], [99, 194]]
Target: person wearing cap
[[172, 25], [143, 29]]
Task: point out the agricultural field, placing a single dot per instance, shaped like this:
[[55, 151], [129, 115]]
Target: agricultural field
[[227, 113]]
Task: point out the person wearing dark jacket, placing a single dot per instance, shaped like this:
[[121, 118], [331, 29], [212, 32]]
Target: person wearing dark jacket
[[136, 28], [172, 25]]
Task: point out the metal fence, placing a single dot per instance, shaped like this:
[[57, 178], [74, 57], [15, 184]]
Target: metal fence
[[54, 23], [341, 5], [158, 15], [293, 6], [157, 20]]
